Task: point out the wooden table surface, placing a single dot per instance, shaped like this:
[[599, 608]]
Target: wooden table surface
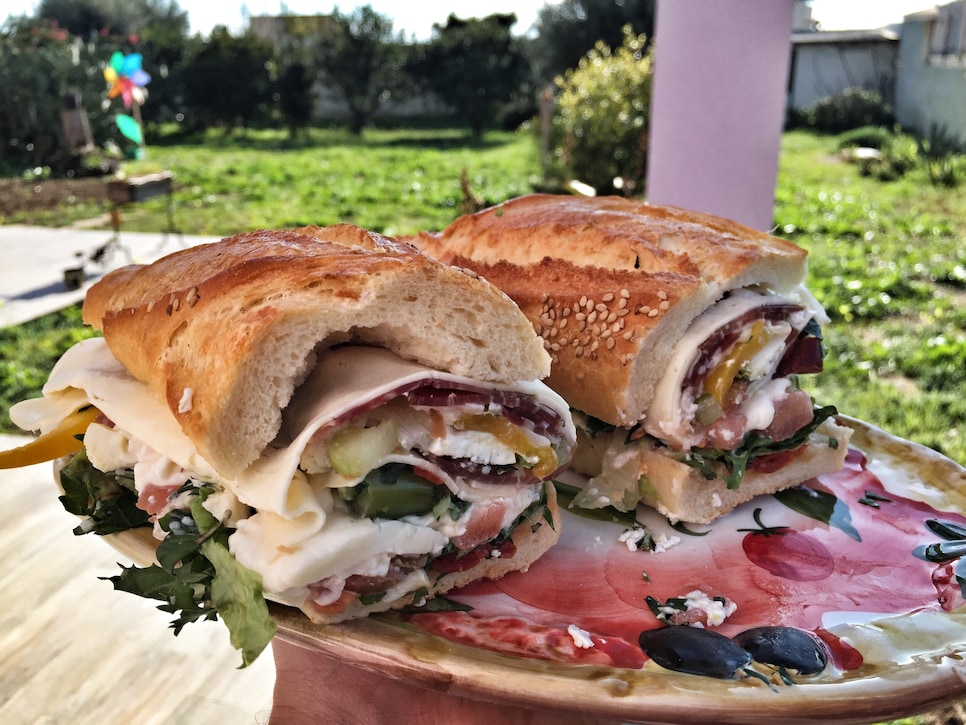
[[72, 650]]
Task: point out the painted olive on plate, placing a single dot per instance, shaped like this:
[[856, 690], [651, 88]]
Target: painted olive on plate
[[694, 651], [784, 647]]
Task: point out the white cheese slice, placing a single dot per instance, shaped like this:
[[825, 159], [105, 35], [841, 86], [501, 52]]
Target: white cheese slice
[[669, 416], [295, 538], [88, 372]]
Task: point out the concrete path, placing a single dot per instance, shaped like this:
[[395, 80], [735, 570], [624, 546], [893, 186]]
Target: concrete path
[[34, 264]]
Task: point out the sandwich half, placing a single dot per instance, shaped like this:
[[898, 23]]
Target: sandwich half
[[357, 426], [677, 338]]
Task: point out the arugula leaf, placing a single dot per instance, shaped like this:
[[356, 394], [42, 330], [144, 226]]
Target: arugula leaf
[[236, 592], [755, 445], [196, 577], [108, 500], [154, 582]]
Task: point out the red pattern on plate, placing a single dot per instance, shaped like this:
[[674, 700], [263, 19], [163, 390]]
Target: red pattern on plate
[[792, 576]]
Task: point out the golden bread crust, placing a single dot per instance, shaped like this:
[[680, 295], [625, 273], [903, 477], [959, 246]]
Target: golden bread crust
[[553, 253], [224, 332]]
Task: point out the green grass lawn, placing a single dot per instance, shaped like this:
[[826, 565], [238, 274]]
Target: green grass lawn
[[887, 259], [391, 181]]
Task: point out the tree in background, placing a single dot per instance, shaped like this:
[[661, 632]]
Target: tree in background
[[87, 18], [473, 65], [567, 30], [361, 56], [611, 142], [227, 82], [294, 97]]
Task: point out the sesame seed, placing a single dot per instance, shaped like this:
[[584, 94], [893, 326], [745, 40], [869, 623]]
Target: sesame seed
[[609, 297], [589, 305], [622, 303], [544, 297], [592, 317], [579, 352], [555, 347], [601, 307], [662, 294], [624, 312], [618, 326], [582, 325], [628, 335], [653, 313], [580, 316], [664, 305], [151, 305], [611, 318], [605, 333], [565, 312], [625, 294], [563, 323], [538, 328], [610, 343], [594, 345], [644, 309], [583, 300]]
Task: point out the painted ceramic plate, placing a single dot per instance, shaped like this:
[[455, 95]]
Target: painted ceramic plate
[[864, 561]]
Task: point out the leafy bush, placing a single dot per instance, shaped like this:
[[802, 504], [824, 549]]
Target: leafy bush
[[939, 147], [600, 130], [870, 137], [852, 108]]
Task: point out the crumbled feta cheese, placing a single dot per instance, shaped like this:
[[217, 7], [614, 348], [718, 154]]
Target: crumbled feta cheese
[[715, 610], [187, 397], [665, 542], [632, 538], [580, 637], [716, 500]]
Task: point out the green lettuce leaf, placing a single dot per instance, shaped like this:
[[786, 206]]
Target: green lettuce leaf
[[236, 593]]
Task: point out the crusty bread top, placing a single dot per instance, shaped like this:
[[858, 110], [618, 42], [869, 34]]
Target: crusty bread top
[[617, 233], [603, 331], [225, 332], [611, 284]]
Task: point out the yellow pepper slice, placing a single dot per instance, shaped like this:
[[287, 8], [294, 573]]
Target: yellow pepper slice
[[720, 380], [60, 441], [512, 436]]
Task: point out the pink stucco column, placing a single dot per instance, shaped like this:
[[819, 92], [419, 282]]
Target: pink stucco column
[[718, 105]]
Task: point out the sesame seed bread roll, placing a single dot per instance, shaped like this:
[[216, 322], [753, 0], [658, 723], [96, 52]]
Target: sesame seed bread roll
[[611, 284], [675, 336], [224, 333]]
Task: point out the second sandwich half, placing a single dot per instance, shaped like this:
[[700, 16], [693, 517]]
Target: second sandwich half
[[676, 337]]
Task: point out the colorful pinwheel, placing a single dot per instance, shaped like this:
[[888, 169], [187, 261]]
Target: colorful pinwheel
[[126, 78]]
